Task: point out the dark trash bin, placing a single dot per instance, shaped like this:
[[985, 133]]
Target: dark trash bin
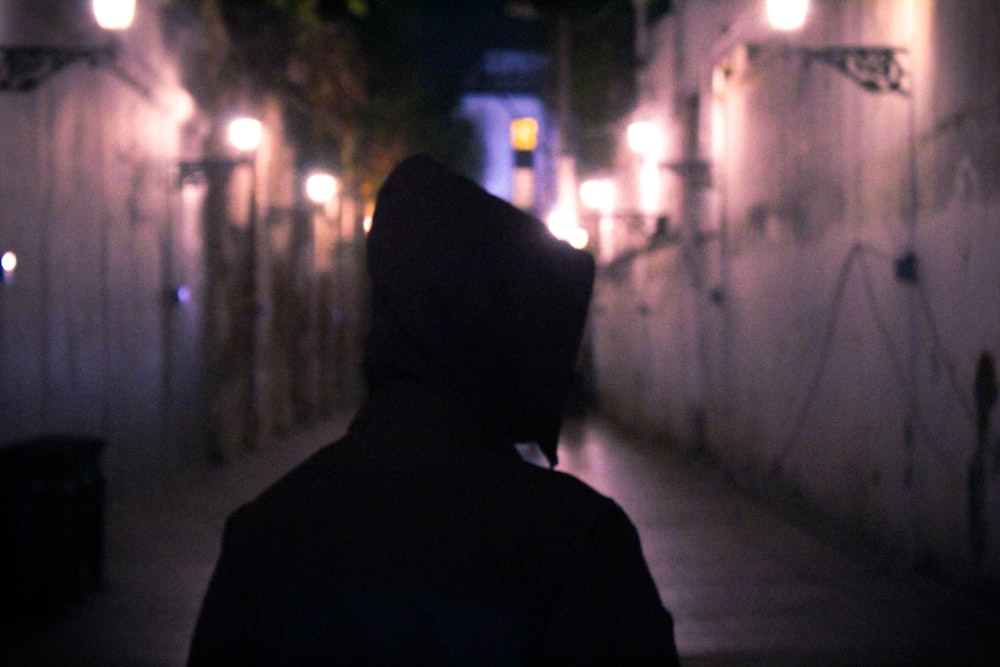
[[51, 516]]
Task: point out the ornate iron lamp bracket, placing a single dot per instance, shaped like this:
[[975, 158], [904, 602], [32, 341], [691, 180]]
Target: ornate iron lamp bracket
[[23, 68], [876, 69], [195, 171]]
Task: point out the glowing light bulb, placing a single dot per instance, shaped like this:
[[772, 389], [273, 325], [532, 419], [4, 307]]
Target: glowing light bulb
[[114, 14], [245, 134], [8, 262], [787, 14], [563, 226], [643, 137], [321, 187], [597, 194]]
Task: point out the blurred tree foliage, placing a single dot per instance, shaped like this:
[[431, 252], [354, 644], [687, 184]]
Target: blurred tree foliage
[[602, 73], [345, 74], [366, 82], [601, 61]]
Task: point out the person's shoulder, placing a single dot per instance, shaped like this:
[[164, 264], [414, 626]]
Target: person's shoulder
[[302, 486], [560, 492], [563, 483]]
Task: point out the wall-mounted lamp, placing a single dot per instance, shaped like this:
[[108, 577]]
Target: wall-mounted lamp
[[876, 68], [321, 187], [787, 14], [564, 227], [24, 66], [114, 14], [598, 194], [646, 140], [643, 137], [192, 172], [8, 264], [244, 134]]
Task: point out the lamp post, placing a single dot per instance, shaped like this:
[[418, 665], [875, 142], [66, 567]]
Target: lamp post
[[245, 135], [316, 370], [325, 291], [232, 297]]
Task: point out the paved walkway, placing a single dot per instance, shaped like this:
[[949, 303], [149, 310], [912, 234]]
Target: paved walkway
[[745, 585], [749, 587]]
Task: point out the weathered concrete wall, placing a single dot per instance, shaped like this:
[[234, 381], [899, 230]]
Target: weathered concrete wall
[[173, 297], [283, 298], [797, 341], [646, 335], [90, 341]]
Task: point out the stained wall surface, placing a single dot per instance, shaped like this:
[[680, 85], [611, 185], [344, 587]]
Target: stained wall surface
[[831, 294], [92, 340]]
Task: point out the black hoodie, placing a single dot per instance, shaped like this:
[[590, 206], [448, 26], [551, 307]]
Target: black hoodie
[[421, 537], [475, 300]]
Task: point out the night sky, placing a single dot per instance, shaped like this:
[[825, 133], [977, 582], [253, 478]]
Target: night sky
[[450, 38]]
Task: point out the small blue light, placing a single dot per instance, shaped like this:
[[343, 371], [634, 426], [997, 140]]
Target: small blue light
[[182, 294]]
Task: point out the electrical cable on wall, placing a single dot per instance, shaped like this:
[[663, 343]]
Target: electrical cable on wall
[[857, 252], [896, 359], [827, 344]]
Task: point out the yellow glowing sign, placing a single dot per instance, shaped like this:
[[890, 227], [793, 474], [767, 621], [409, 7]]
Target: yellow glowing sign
[[524, 134]]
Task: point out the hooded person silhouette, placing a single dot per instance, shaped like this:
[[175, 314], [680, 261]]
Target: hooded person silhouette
[[421, 537]]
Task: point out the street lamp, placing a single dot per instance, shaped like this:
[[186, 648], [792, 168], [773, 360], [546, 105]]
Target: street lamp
[[321, 187], [114, 14], [787, 14], [645, 140], [563, 226], [598, 194], [643, 137], [245, 134], [8, 264], [874, 68], [25, 64]]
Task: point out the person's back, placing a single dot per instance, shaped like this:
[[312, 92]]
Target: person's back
[[422, 537]]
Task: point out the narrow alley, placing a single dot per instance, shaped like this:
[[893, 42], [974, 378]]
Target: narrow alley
[[747, 584]]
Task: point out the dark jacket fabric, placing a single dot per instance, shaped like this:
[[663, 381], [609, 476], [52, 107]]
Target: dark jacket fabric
[[421, 537]]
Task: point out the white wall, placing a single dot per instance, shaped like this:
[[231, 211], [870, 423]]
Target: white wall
[[779, 316], [89, 341]]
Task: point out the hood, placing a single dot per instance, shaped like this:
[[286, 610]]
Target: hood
[[474, 300]]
